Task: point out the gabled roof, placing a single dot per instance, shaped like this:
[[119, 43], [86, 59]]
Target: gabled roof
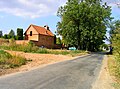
[[41, 30]]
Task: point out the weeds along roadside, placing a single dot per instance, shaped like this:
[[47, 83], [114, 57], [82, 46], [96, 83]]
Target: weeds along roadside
[[114, 68], [31, 48], [10, 61]]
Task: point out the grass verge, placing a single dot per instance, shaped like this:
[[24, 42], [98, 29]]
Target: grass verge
[[10, 61], [114, 69]]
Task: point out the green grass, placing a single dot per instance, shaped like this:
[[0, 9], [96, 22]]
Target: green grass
[[116, 85], [9, 61]]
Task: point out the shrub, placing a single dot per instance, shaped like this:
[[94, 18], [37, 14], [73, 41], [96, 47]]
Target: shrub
[[16, 61], [9, 61], [4, 55]]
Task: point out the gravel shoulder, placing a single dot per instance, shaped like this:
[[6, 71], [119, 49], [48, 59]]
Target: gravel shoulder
[[104, 80]]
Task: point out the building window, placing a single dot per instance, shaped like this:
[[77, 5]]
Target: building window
[[30, 33]]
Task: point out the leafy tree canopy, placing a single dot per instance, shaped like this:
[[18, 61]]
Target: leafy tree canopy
[[11, 33], [83, 23], [115, 36], [1, 34], [19, 33], [58, 41], [5, 36]]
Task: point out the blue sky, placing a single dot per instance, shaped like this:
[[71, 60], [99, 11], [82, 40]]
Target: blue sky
[[22, 13]]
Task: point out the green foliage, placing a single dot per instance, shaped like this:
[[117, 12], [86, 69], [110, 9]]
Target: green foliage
[[116, 45], [31, 44], [115, 37], [117, 69], [57, 52], [116, 85], [83, 23], [11, 34], [9, 61], [115, 42], [5, 36], [58, 41], [105, 46], [42, 51], [1, 34], [19, 34], [4, 55]]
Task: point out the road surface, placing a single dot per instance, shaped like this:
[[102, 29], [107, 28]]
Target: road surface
[[79, 73]]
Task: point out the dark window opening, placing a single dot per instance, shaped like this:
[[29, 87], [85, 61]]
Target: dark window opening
[[30, 33]]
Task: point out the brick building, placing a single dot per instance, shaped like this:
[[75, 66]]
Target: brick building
[[41, 36]]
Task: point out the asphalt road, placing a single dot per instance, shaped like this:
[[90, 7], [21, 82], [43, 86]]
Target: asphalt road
[[80, 73]]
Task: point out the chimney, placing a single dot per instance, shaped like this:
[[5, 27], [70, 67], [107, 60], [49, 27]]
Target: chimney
[[46, 27]]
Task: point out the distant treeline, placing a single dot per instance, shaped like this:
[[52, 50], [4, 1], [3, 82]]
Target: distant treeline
[[11, 34]]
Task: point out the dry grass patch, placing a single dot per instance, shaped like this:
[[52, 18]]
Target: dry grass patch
[[114, 70], [111, 65], [9, 61]]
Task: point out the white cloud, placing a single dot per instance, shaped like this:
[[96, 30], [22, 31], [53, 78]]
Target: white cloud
[[113, 3], [30, 8]]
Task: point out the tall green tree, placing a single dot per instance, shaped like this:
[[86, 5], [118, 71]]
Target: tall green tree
[[115, 36], [11, 34], [5, 36], [115, 43], [1, 34], [83, 23], [19, 33]]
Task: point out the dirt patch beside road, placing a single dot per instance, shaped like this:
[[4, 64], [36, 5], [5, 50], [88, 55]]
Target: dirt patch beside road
[[104, 80], [38, 60]]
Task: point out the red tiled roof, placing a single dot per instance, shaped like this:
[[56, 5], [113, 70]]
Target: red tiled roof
[[42, 30]]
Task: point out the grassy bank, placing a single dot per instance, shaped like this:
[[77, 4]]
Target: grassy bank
[[114, 69], [9, 61]]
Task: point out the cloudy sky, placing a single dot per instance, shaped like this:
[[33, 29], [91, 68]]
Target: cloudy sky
[[22, 13]]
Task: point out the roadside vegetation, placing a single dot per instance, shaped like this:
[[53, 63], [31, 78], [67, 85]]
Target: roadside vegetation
[[11, 34], [31, 48], [10, 61], [114, 60]]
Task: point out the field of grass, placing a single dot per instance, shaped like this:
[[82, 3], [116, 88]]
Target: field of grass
[[31, 48], [9, 61]]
